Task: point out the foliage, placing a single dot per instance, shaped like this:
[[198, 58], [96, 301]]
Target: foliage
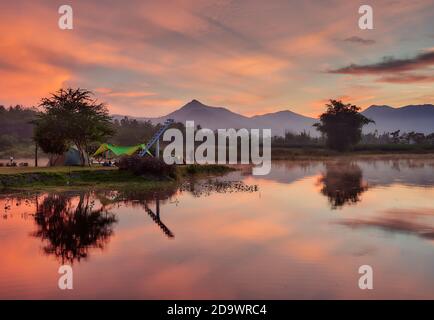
[[16, 129], [342, 125], [149, 166], [398, 138], [130, 132], [50, 137], [74, 117], [296, 140]]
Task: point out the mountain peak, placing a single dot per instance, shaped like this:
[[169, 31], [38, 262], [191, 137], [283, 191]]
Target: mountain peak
[[194, 104]]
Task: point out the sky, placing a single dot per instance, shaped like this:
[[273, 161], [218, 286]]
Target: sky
[[148, 58]]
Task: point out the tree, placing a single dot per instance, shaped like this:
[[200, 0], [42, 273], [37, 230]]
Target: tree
[[71, 116], [342, 125], [50, 137]]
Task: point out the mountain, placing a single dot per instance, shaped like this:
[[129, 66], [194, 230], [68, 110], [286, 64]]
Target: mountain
[[208, 117], [222, 118], [283, 121], [419, 118]]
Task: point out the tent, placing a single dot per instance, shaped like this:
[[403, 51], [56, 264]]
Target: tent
[[119, 150], [69, 158]]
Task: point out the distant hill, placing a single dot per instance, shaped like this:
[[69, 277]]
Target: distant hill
[[418, 118], [221, 118]]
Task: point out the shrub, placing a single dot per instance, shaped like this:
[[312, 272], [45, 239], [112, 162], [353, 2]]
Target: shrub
[[147, 166]]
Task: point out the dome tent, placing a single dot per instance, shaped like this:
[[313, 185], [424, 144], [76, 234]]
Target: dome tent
[[69, 158]]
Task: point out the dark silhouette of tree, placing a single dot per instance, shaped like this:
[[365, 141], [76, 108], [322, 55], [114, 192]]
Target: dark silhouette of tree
[[50, 137], [71, 231], [342, 184], [16, 130], [75, 117], [342, 125]]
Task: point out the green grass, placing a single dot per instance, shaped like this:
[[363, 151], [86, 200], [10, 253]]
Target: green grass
[[15, 170], [28, 178]]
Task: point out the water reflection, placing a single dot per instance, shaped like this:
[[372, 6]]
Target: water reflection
[[156, 218], [413, 222], [219, 239], [69, 226], [342, 183]]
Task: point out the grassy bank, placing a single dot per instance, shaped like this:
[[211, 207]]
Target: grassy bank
[[25, 178]]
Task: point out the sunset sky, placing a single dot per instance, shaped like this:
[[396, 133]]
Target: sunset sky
[[148, 58]]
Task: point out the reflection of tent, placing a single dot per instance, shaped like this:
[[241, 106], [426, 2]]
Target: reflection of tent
[[69, 158], [119, 150]]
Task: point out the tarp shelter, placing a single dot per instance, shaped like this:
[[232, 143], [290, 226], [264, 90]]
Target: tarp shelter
[[119, 150], [69, 158]]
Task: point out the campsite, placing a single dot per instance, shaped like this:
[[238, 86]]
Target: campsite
[[207, 152]]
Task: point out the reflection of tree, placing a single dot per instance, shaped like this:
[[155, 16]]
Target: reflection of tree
[[143, 199], [71, 230], [342, 184]]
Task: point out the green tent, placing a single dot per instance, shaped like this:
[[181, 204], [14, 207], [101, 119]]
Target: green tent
[[119, 150]]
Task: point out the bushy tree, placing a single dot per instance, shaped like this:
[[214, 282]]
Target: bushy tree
[[50, 137], [342, 125], [72, 116]]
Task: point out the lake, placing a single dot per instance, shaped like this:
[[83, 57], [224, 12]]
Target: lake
[[301, 232]]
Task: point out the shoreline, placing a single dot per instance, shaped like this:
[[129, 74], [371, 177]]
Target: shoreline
[[68, 178], [326, 154]]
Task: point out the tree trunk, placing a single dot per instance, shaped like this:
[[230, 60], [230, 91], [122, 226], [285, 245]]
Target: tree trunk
[[36, 154], [81, 152]]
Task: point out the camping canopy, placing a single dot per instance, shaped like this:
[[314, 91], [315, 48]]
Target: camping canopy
[[119, 150]]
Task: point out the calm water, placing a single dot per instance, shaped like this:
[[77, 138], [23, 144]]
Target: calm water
[[301, 232]]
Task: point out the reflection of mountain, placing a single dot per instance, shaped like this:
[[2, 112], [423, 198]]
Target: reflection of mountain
[[342, 183], [69, 231]]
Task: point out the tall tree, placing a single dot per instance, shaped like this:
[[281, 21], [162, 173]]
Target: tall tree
[[74, 117], [342, 125]]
